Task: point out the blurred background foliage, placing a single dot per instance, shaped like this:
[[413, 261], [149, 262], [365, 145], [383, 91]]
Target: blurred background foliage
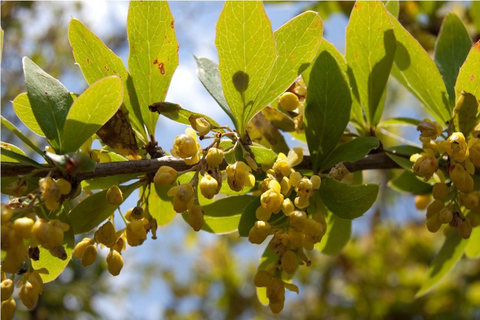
[[375, 277]]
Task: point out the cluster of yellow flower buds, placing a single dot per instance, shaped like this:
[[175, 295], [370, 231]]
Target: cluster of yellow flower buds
[[107, 236], [298, 233], [460, 157], [31, 288], [52, 191]]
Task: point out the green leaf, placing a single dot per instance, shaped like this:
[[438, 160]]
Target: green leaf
[[97, 61], [351, 151], [399, 121], [410, 183], [475, 14], [418, 73], [297, 43], [153, 54], [337, 235], [261, 131], [50, 102], [23, 110], [469, 76], [370, 50], [1, 47], [11, 127], [90, 111], [392, 6], [11, 153], [472, 250], [209, 76], [248, 218], [465, 113], [95, 209], [401, 155], [327, 109], [54, 265], [160, 205], [246, 51], [177, 113], [451, 50], [107, 182], [12, 148], [444, 262], [223, 216], [347, 201]]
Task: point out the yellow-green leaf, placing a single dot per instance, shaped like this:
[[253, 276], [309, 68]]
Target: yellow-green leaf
[[469, 76], [370, 50], [97, 61], [153, 54], [246, 52], [472, 250], [90, 111]]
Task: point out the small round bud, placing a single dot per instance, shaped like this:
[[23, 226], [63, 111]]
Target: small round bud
[[262, 278], [7, 289], [208, 186], [440, 191], [434, 223], [200, 124], [114, 262], [81, 247], [64, 186], [465, 229], [316, 182], [195, 217], [106, 234], [23, 227], [8, 309], [422, 201], [289, 262], [289, 101], [114, 196], [28, 295], [89, 255], [445, 215], [165, 176], [214, 157]]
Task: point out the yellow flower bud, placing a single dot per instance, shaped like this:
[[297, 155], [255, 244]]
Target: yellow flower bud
[[7, 289], [23, 227], [295, 178], [469, 200], [434, 208], [316, 182], [287, 207], [276, 307], [200, 124], [302, 202], [276, 290], [304, 188], [461, 178], [440, 191], [136, 232], [114, 262], [185, 145], [263, 214], [89, 255], [429, 129], [106, 234], [259, 232], [183, 197], [422, 201], [214, 157], [114, 195], [434, 223], [282, 167], [445, 215], [474, 151], [208, 186], [425, 166], [465, 229], [165, 176], [195, 217], [300, 88], [289, 101], [7, 213], [262, 278], [28, 295], [456, 147], [8, 309], [295, 238], [289, 262], [251, 163], [271, 200], [81, 247], [239, 176], [297, 219], [285, 186]]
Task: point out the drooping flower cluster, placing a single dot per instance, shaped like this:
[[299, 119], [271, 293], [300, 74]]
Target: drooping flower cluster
[[453, 193]]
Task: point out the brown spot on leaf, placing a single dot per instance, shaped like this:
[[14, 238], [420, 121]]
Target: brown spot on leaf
[[106, 68], [472, 77], [356, 56], [161, 67], [155, 61], [171, 24], [88, 60]]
